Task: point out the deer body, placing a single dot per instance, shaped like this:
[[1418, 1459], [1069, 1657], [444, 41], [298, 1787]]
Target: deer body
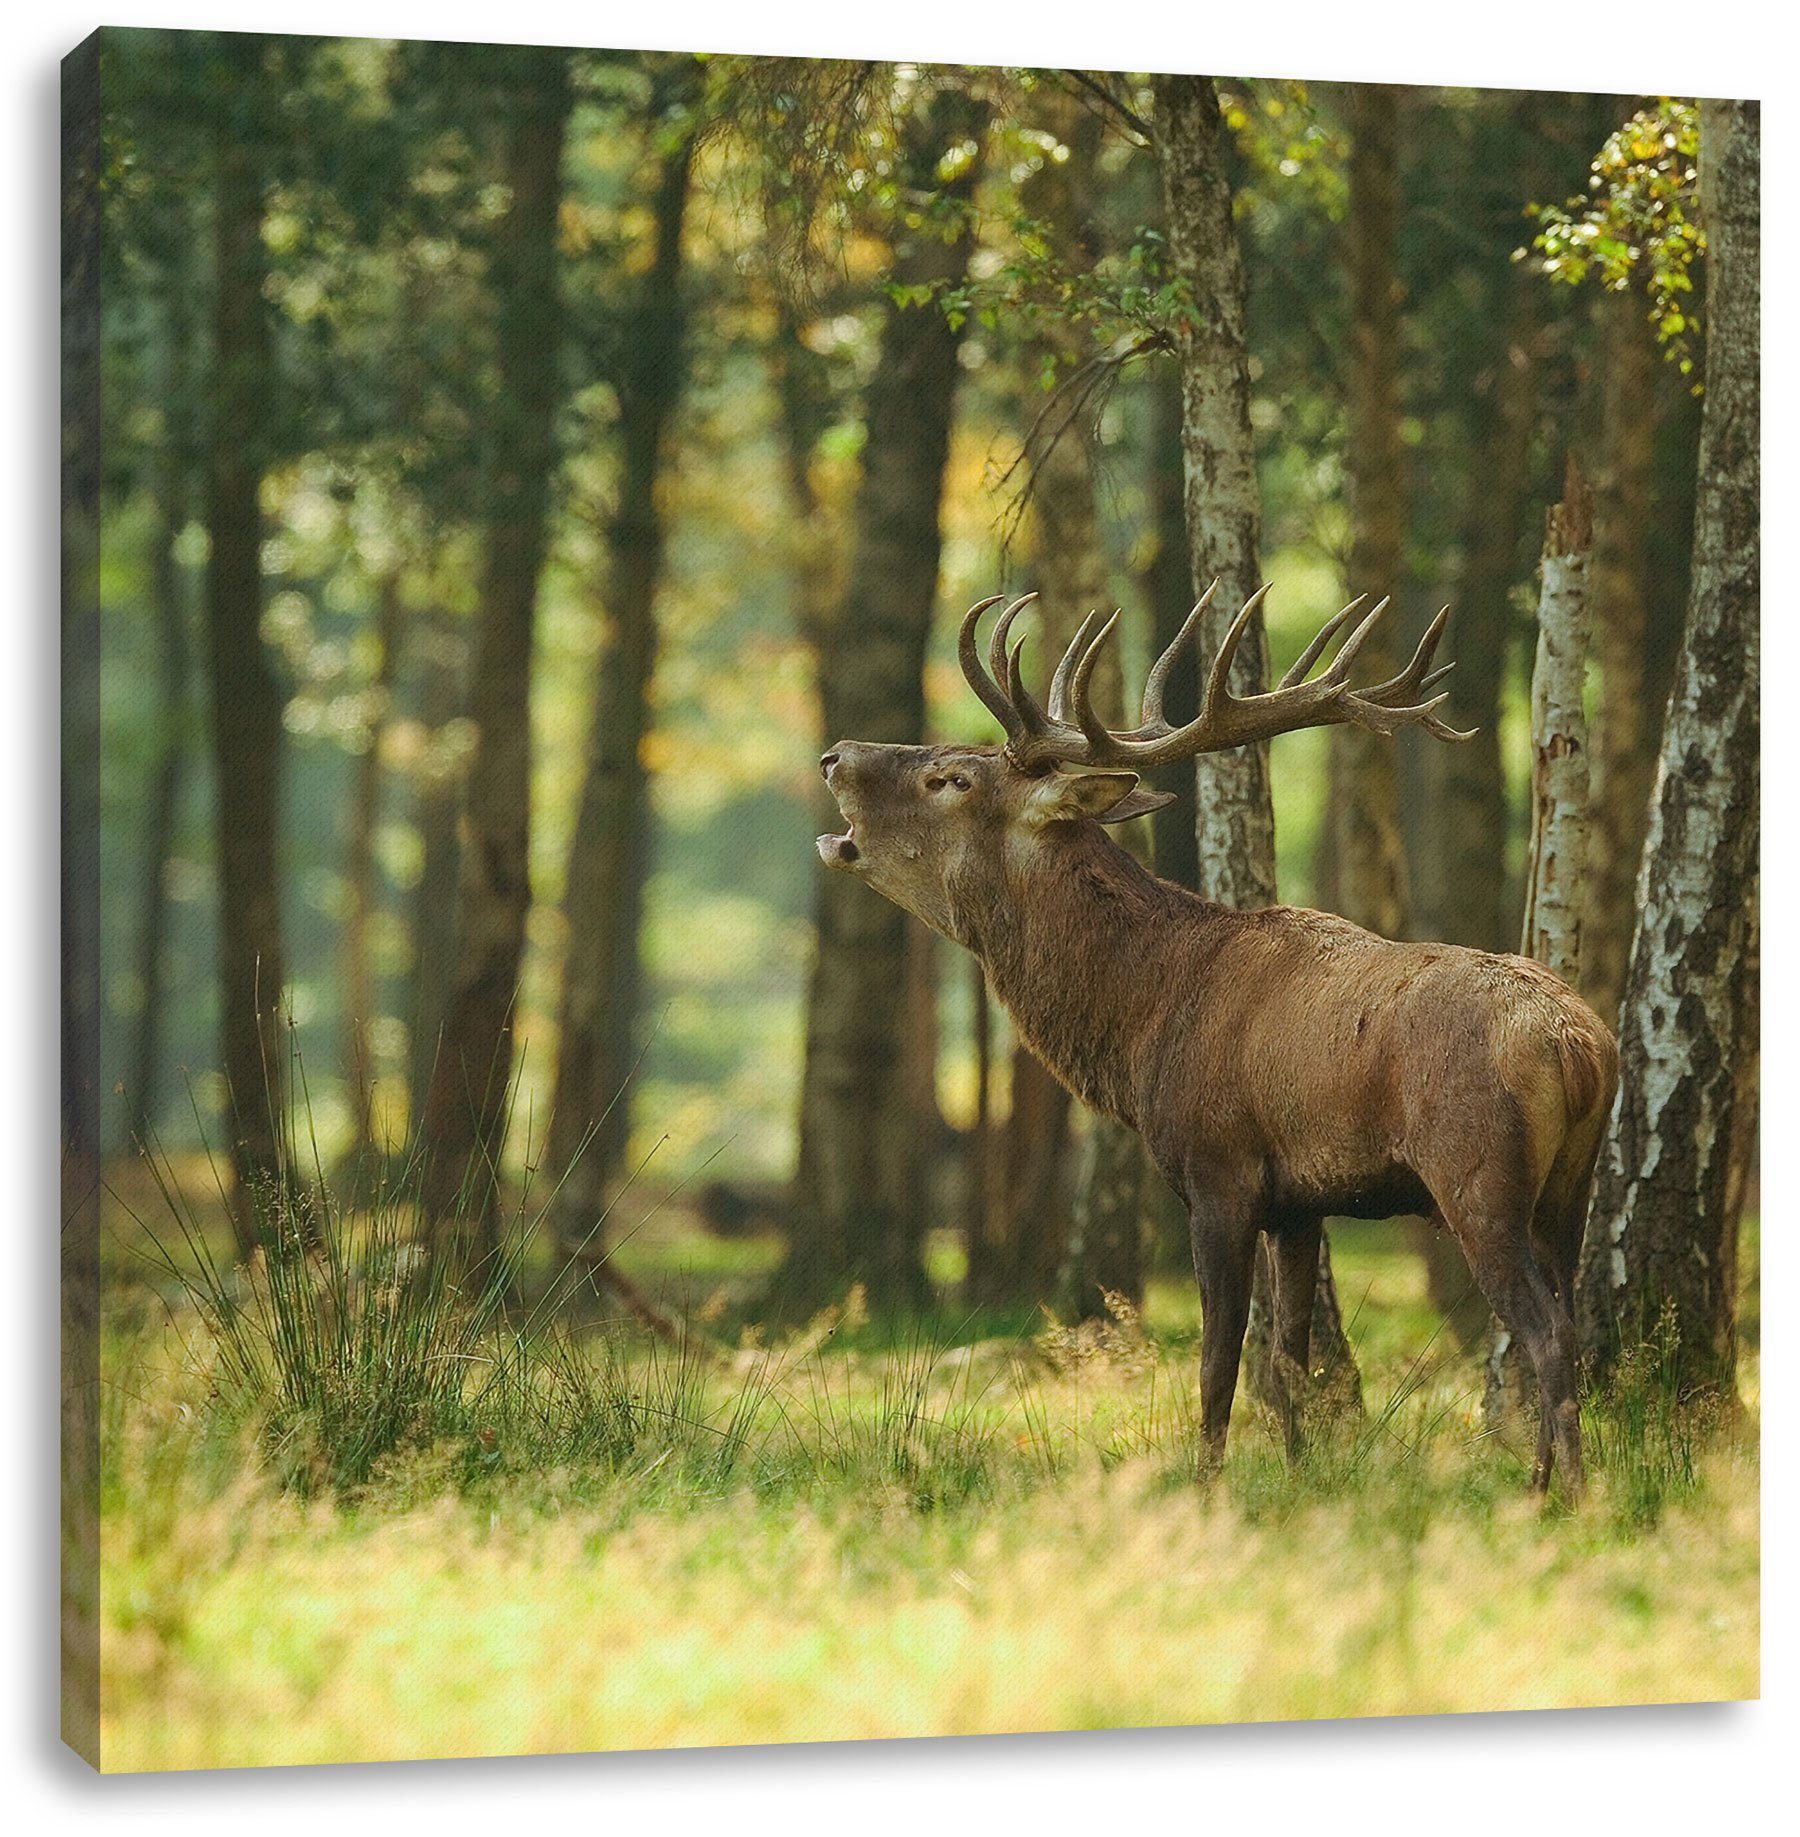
[[1281, 1065]]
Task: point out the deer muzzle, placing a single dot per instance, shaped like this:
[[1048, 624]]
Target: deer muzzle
[[838, 850]]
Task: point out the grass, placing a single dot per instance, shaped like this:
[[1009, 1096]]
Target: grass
[[324, 1541]]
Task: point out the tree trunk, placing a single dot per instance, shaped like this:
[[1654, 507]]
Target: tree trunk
[[1557, 864], [1662, 1240], [1089, 1236], [1103, 1243], [442, 665], [168, 600], [1169, 583], [978, 1169], [1624, 752], [1235, 829], [1033, 1187], [1049, 1181], [1743, 1188], [1169, 586], [859, 1203], [246, 698], [359, 869], [1361, 863], [1669, 537], [1025, 1162], [1367, 859], [1467, 899], [1556, 869], [590, 1122], [809, 408], [1105, 1257], [466, 1107]]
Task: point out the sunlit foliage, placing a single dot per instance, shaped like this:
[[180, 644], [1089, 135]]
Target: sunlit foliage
[[1639, 224]]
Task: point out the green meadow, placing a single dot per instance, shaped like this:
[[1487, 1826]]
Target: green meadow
[[347, 1518]]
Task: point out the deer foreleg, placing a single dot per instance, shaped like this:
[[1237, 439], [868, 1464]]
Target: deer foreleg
[[1224, 1239], [1294, 1258]]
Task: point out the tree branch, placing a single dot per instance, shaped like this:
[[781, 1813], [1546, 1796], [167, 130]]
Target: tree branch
[[1122, 111]]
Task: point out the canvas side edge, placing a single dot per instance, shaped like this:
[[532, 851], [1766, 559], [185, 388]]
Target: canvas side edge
[[80, 889]]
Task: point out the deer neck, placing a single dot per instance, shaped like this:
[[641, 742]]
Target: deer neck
[[1075, 950]]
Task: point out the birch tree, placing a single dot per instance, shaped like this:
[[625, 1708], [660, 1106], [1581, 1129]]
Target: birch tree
[[1662, 1236], [1168, 583], [1556, 868], [1235, 826], [1559, 762]]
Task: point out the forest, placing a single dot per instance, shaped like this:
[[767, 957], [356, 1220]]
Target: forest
[[515, 467]]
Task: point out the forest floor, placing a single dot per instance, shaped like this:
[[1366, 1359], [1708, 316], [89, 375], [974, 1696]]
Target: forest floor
[[963, 1525]]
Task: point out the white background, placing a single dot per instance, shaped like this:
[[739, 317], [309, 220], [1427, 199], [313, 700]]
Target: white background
[[1699, 1769]]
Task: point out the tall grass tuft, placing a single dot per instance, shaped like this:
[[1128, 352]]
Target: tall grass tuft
[[1642, 1432], [341, 1342], [344, 1340], [927, 1432]]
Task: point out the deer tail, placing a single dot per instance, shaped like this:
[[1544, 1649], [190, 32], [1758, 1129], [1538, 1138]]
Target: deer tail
[[1589, 1062]]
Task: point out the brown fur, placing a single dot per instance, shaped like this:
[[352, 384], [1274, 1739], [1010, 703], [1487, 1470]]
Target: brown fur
[[1282, 1066]]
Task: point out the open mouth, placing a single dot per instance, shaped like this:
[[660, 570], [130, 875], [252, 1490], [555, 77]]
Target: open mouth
[[840, 851]]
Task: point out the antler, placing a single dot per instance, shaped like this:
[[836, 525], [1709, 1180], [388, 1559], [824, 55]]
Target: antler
[[1067, 732]]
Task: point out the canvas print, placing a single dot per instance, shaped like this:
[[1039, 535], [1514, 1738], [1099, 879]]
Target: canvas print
[[898, 899]]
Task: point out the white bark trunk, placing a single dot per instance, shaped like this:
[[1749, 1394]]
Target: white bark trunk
[[1662, 1238], [1555, 872], [1235, 824], [1559, 781]]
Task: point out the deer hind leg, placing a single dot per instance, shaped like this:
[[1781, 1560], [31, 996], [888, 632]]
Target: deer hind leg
[[1559, 1220], [1294, 1259], [1224, 1240], [1558, 1224], [1497, 1244]]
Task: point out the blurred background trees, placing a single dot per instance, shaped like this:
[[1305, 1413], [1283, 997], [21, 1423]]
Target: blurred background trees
[[868, 1098], [520, 462], [642, 353]]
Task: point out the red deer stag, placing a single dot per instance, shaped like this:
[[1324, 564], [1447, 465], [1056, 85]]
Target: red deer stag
[[1281, 1065]]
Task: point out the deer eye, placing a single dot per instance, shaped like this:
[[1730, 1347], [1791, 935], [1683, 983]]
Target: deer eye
[[960, 782]]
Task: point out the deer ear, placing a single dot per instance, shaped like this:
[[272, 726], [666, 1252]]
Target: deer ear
[[1137, 803], [1110, 797]]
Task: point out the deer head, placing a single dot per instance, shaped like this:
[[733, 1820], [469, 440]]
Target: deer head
[[929, 825]]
